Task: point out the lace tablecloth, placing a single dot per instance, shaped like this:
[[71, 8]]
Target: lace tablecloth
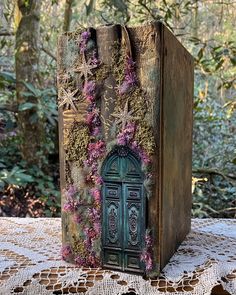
[[30, 262]]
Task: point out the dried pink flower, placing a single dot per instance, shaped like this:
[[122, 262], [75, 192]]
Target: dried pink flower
[[96, 131], [98, 179], [97, 227], [130, 79], [71, 191], [146, 255], [66, 252], [71, 204], [96, 150], [80, 261], [147, 259], [77, 218], [96, 193], [94, 214], [89, 90], [94, 59], [68, 207], [83, 41], [127, 134], [93, 260]]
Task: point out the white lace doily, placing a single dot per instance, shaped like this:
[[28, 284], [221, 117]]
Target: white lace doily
[[30, 262]]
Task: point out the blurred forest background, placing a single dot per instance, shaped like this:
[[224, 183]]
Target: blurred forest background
[[29, 169]]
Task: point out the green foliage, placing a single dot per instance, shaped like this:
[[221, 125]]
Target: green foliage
[[15, 171], [206, 28], [16, 176], [45, 108]]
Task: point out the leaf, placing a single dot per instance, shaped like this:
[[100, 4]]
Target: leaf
[[120, 5], [2, 165], [200, 53], [36, 92], [195, 40], [234, 161], [233, 60], [219, 64], [7, 76], [90, 7], [27, 106], [26, 94], [33, 118]]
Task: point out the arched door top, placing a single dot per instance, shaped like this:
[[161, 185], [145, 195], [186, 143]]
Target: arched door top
[[123, 165]]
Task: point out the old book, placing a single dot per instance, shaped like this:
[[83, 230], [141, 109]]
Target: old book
[[125, 124]]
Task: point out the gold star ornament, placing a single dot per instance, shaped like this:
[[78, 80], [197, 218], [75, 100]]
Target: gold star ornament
[[124, 116], [85, 68], [67, 98]]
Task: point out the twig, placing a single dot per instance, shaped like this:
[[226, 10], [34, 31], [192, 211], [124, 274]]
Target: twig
[[228, 177], [48, 53], [9, 108], [6, 33]]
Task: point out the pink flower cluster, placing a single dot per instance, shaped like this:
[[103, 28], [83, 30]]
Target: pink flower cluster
[[95, 217], [66, 252], [89, 90], [91, 260], [71, 204], [83, 41], [95, 151], [146, 255], [127, 134], [77, 218], [94, 60], [147, 259], [126, 137], [96, 193], [141, 152], [93, 121], [130, 79]]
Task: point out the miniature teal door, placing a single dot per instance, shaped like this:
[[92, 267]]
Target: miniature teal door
[[124, 220]]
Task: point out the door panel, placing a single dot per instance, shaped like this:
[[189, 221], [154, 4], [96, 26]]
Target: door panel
[[113, 169], [123, 214], [113, 259], [131, 172], [133, 226], [112, 191], [132, 262], [113, 226], [133, 192]]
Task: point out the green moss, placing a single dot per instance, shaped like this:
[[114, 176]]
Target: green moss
[[78, 246], [144, 136], [117, 66], [102, 72], [79, 138]]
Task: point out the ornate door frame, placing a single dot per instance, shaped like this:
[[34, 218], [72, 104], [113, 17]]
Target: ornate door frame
[[123, 211]]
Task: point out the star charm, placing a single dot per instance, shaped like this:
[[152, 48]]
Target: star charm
[[124, 116], [63, 77], [67, 99], [85, 68]]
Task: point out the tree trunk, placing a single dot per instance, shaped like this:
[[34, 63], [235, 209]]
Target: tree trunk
[[67, 15], [26, 62]]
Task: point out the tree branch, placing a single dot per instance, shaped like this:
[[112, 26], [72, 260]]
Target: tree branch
[[48, 53], [228, 177], [9, 108], [6, 33]]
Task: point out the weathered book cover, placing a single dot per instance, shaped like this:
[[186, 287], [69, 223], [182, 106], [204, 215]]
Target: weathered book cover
[[112, 148]]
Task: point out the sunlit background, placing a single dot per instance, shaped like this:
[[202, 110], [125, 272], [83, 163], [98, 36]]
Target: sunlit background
[[29, 168]]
